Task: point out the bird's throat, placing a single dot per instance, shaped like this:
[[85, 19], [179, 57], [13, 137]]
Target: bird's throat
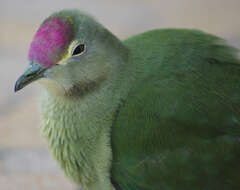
[[78, 136], [84, 88]]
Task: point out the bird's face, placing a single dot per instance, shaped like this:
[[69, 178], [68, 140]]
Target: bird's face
[[68, 56]]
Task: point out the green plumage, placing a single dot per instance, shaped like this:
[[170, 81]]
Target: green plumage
[[179, 126], [157, 111]]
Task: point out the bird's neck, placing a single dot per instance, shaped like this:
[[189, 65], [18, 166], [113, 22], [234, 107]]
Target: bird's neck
[[78, 132]]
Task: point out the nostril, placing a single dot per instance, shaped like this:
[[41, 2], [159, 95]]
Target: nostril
[[29, 74]]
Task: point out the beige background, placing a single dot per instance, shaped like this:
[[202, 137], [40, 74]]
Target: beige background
[[24, 161]]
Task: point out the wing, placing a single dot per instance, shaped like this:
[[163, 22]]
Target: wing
[[179, 128]]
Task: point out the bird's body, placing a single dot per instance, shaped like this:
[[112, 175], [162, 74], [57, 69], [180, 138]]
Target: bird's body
[[185, 109], [159, 110]]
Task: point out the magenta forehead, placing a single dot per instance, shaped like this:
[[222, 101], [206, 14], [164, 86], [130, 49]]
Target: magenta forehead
[[51, 40]]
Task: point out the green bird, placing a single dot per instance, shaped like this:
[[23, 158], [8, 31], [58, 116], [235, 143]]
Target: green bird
[[157, 111]]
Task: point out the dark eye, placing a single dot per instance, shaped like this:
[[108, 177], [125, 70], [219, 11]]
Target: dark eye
[[79, 49]]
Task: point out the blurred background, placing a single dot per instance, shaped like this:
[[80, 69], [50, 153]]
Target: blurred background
[[25, 163]]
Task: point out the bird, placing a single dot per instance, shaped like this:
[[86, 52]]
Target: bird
[[159, 110]]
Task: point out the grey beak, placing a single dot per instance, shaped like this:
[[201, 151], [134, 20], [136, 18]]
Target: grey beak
[[32, 73]]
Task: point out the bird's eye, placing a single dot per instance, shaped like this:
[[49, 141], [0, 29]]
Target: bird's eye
[[78, 49]]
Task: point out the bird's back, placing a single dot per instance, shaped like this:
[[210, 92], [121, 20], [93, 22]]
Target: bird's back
[[179, 126]]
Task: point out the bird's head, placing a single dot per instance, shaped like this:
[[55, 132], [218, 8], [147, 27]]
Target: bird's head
[[72, 54]]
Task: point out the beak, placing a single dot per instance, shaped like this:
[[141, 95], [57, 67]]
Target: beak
[[32, 73]]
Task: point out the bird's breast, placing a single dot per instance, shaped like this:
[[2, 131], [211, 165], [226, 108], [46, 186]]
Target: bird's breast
[[79, 140]]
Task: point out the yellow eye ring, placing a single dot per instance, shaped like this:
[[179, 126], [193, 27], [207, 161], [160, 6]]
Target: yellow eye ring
[[78, 50]]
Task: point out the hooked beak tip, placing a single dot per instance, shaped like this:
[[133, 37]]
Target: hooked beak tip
[[17, 86], [32, 73]]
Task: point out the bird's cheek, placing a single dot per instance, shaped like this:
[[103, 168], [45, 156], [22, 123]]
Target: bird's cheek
[[53, 72]]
